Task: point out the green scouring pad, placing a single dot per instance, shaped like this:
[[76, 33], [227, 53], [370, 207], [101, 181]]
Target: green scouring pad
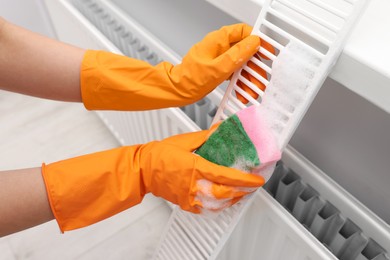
[[230, 146], [245, 142]]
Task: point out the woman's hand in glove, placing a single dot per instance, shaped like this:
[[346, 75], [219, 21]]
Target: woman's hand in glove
[[90, 188], [114, 82]]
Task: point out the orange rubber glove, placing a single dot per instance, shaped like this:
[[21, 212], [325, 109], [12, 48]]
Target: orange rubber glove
[[114, 82], [90, 188]]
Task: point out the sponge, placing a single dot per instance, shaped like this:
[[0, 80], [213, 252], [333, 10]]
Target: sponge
[[245, 142]]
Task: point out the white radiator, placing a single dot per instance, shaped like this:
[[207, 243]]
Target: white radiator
[[300, 213]]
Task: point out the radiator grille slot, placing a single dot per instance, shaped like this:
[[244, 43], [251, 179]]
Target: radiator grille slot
[[337, 232], [126, 41]]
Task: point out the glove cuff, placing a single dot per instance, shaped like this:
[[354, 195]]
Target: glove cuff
[[90, 81], [90, 188]]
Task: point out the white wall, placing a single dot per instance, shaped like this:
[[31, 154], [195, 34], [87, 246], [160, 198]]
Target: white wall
[[30, 14], [347, 137]]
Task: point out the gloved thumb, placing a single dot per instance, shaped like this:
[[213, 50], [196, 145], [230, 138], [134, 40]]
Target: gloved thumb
[[191, 141], [239, 53], [188, 141]]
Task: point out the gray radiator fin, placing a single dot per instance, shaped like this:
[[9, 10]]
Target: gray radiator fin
[[115, 31], [337, 232]]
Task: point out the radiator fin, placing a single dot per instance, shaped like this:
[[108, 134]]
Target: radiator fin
[[337, 232]]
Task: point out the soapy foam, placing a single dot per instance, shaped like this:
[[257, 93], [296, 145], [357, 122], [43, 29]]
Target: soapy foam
[[255, 125], [265, 170], [292, 73], [212, 206], [205, 195], [242, 164]]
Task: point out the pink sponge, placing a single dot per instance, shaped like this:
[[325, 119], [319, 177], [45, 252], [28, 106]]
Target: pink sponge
[[261, 136]]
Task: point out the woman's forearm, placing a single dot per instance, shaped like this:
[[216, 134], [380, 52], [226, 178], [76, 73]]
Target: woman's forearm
[[35, 65], [23, 200]]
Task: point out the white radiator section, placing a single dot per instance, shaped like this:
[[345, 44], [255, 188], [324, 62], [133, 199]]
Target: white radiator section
[[300, 214], [142, 127], [308, 201]]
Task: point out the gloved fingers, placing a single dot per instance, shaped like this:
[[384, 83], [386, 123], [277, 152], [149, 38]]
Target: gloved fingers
[[194, 207], [212, 190], [233, 34], [222, 192], [237, 32], [213, 204], [227, 49], [188, 141], [217, 42], [234, 57], [193, 140], [206, 202], [225, 175]]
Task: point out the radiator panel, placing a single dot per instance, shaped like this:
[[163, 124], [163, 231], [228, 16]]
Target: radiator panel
[[297, 201]]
